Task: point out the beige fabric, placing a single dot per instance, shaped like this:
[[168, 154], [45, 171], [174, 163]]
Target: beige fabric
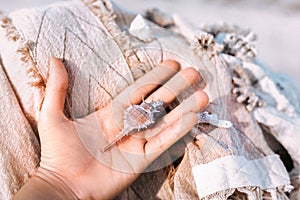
[[101, 61], [19, 147]]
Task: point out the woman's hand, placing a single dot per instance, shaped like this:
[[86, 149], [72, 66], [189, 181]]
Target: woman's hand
[[71, 153]]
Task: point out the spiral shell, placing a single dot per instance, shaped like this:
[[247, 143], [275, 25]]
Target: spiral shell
[[137, 117]]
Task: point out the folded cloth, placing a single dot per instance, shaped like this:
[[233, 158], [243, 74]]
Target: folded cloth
[[103, 54], [19, 147]]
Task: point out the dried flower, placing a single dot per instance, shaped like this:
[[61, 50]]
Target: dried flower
[[204, 43], [244, 90], [237, 41], [243, 47]]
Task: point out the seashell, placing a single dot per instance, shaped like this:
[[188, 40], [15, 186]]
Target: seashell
[[140, 29], [212, 119], [138, 117]]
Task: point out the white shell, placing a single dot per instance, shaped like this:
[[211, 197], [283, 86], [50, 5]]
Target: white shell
[[140, 29], [205, 117]]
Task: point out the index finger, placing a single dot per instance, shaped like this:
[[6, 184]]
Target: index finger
[[146, 84]]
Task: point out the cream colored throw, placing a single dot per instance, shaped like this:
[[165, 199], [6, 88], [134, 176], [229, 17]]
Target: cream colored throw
[[105, 49]]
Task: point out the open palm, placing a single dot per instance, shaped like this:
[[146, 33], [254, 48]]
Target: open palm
[[72, 149]]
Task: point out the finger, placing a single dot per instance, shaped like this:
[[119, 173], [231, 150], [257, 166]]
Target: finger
[[175, 86], [170, 135], [56, 89], [193, 103], [143, 86], [177, 123]]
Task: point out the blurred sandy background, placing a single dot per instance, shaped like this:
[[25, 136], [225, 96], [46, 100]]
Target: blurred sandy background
[[276, 22]]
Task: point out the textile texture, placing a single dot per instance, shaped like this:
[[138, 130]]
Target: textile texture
[[102, 58]]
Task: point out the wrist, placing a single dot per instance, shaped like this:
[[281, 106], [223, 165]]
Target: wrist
[[60, 184], [45, 184]]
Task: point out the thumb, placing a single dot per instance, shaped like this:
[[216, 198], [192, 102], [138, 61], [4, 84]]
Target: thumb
[[56, 89]]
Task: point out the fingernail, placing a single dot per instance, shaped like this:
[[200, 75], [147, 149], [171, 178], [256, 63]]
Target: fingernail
[[50, 69]]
